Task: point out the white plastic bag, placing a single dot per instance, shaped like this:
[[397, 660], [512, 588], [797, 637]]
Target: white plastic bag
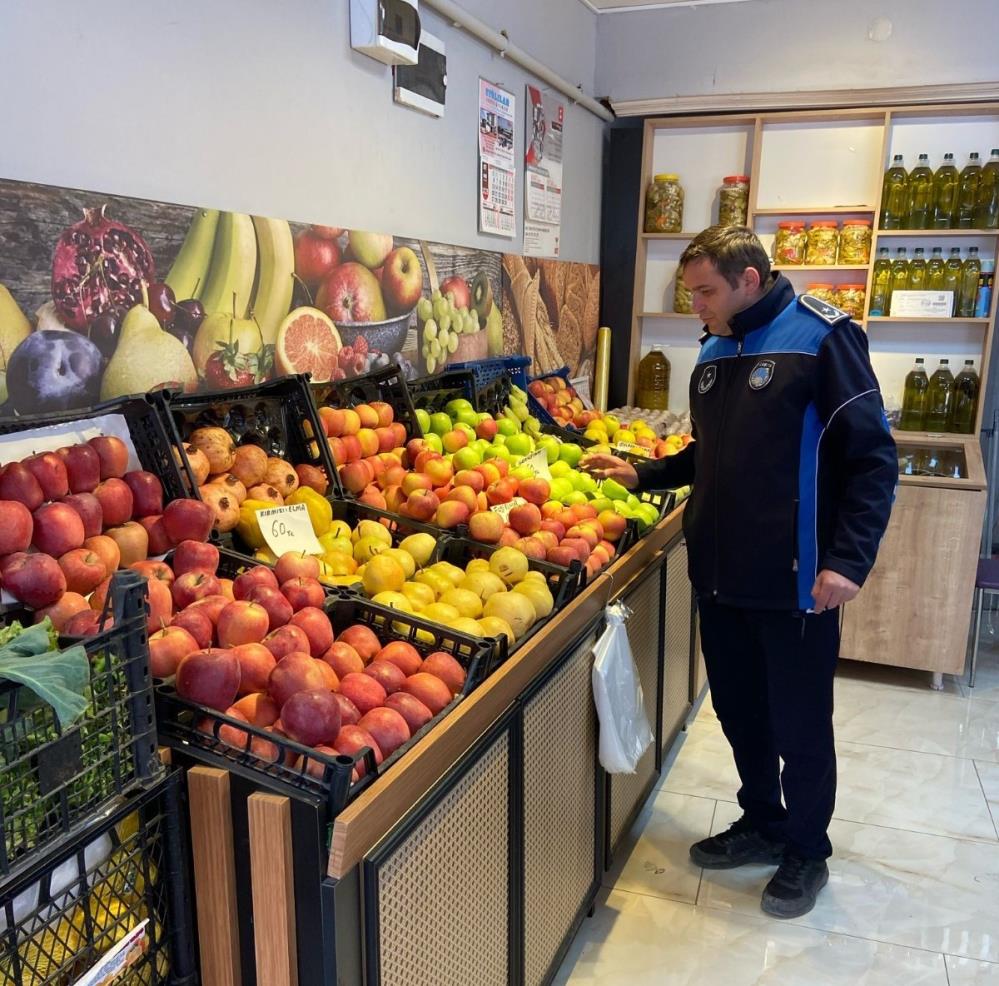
[[625, 733]]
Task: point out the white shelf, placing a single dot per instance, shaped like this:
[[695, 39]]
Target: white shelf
[[807, 268], [938, 233], [928, 321], [815, 210]]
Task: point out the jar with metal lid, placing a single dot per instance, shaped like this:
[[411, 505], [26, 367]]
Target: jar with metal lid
[[851, 299], [683, 300], [789, 244], [824, 292], [664, 205], [823, 244], [733, 201], [855, 242]]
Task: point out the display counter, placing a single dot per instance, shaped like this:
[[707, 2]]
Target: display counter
[[475, 859]]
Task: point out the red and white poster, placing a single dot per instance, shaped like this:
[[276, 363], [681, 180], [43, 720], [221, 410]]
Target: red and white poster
[[497, 166], [545, 120]]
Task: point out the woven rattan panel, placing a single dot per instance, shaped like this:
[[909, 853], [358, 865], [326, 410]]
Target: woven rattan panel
[[644, 624], [560, 735], [676, 690], [443, 893]]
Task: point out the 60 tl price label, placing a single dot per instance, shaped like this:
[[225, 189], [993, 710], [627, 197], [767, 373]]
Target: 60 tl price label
[[289, 528]]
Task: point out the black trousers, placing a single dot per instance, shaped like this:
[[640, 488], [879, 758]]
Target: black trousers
[[771, 677]]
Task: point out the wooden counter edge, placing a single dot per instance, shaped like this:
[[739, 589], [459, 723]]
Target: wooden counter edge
[[364, 822]]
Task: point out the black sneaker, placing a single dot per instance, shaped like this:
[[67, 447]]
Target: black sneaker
[[743, 843], [794, 887]]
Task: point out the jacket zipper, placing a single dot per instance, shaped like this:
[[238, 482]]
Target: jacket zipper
[[794, 536], [718, 458]]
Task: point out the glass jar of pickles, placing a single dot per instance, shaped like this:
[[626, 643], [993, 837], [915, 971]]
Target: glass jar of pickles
[[733, 201], [664, 205], [851, 298], [824, 292], [789, 244], [683, 300], [823, 244], [855, 242]]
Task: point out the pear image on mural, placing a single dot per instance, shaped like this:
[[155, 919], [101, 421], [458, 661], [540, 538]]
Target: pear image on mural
[[146, 357]]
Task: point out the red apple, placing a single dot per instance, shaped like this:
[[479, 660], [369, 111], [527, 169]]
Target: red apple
[[87, 623], [312, 477], [279, 610], [429, 689], [352, 740], [387, 674], [89, 508], [167, 648], [198, 624], [351, 293], [83, 569], [416, 714], [534, 490], [18, 483], [106, 549], [192, 586], [83, 467], [311, 717], [160, 605], [343, 659], [57, 529], [287, 640], [365, 692], [68, 605], [188, 520], [295, 672], [330, 680], [302, 592], [402, 281], [259, 709], [485, 526], [349, 713], [446, 667], [525, 518], [294, 565], [317, 627], [50, 471], [244, 583], [389, 729], [132, 541], [315, 256], [159, 540], [363, 639], [458, 286], [209, 677], [147, 492], [16, 527], [116, 501], [149, 569], [241, 622], [212, 606], [195, 556], [256, 663], [113, 455], [402, 654]]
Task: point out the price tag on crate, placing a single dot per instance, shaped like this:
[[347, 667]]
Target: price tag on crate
[[537, 462], [289, 528], [131, 949], [503, 509], [633, 448]]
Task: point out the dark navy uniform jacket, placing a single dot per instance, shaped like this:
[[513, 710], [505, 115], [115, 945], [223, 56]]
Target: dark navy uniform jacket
[[794, 467]]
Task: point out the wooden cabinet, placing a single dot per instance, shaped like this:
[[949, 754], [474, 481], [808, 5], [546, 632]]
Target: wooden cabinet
[[914, 610]]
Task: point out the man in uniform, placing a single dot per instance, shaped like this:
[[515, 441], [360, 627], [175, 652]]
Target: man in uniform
[[794, 471]]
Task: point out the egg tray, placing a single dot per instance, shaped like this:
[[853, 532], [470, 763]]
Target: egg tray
[[278, 415], [387, 384], [194, 729], [54, 780], [130, 866]]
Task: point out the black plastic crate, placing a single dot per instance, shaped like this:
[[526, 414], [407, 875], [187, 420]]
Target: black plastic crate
[[54, 781], [150, 436], [387, 384], [279, 416], [299, 771], [563, 583], [60, 918], [433, 393]]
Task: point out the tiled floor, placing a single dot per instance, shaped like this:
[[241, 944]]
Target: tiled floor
[[913, 895]]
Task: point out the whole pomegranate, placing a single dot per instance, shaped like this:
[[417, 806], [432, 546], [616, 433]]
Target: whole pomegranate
[[98, 265]]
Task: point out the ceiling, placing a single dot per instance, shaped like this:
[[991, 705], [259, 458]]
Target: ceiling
[[622, 6]]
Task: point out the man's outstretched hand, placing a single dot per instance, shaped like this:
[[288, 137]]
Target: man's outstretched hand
[[831, 590], [600, 465]]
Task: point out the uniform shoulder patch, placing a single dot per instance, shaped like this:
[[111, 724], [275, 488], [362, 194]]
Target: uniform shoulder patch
[[829, 314]]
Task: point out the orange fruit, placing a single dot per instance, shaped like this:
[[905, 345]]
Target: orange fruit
[[307, 342]]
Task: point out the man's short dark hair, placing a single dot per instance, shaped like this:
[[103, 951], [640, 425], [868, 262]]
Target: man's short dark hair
[[731, 249]]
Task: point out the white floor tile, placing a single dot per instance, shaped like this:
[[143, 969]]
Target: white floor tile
[[922, 891], [634, 940], [988, 774], [968, 972]]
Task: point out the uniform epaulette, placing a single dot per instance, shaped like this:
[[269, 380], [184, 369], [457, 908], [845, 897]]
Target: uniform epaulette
[[829, 314]]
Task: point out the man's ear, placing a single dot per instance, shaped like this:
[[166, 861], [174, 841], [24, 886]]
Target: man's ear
[[751, 279]]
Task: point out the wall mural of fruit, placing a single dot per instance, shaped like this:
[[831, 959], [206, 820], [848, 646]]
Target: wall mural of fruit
[[103, 295]]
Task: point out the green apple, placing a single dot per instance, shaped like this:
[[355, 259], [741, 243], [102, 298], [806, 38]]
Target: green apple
[[423, 419], [468, 417], [648, 511], [633, 501], [583, 482], [522, 472], [440, 423], [520, 444], [466, 458], [560, 470], [550, 444], [570, 452], [369, 249], [560, 488], [506, 427], [497, 452], [575, 497], [612, 424], [480, 445], [612, 489], [467, 430], [601, 503], [457, 405], [433, 441]]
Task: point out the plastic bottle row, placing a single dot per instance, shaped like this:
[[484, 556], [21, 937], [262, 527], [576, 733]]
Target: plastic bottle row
[[969, 279], [945, 199], [940, 403]]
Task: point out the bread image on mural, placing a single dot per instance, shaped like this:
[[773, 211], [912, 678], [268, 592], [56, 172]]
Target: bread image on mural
[[551, 312]]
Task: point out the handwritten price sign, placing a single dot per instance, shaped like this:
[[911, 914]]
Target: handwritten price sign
[[289, 528], [503, 509], [633, 448], [537, 462]]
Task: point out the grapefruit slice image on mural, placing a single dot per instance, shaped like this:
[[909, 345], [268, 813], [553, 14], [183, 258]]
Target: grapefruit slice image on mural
[[307, 342]]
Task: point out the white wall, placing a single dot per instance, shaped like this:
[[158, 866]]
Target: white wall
[[262, 106], [780, 45]]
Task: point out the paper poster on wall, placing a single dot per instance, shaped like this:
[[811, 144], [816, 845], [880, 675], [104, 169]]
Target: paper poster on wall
[[497, 167], [545, 121]]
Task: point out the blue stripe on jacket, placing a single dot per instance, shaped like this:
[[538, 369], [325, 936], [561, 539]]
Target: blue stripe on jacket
[[808, 467]]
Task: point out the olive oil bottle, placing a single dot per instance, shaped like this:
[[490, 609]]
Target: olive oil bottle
[[965, 399], [914, 396], [881, 284], [935, 271], [940, 398], [920, 194], [987, 197], [967, 195], [971, 269], [899, 272], [945, 185], [895, 196], [952, 276], [917, 271]]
